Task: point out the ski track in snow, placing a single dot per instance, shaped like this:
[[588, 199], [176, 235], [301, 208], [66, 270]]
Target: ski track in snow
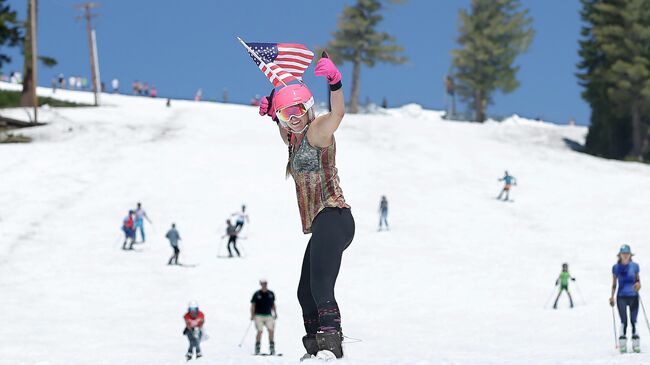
[[460, 279]]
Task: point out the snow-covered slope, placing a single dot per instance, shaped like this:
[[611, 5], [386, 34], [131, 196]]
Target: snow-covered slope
[[460, 279]]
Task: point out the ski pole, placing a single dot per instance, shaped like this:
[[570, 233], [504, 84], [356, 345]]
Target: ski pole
[[354, 340], [250, 324], [582, 298], [243, 251], [644, 313], [550, 297], [220, 246], [614, 323]]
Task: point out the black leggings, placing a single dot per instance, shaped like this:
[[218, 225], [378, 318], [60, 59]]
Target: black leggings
[[622, 303], [332, 233]]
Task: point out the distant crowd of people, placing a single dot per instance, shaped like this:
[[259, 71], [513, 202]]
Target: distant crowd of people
[[144, 89], [14, 77], [137, 87], [81, 83], [71, 83]]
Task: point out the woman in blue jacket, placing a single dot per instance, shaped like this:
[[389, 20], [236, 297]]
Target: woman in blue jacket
[[625, 276]]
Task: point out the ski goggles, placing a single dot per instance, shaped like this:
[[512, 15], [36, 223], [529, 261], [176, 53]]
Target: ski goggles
[[292, 111]]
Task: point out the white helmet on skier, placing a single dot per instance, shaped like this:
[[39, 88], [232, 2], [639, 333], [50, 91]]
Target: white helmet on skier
[[192, 306]]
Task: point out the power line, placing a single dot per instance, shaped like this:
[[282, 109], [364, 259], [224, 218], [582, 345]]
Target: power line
[[87, 8], [32, 37]]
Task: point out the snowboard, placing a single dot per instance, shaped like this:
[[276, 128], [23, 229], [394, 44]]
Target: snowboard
[[322, 356]]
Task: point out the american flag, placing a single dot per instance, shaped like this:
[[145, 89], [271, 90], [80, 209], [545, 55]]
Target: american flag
[[281, 62]]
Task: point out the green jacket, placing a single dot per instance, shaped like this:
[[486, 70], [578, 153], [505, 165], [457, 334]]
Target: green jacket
[[564, 278]]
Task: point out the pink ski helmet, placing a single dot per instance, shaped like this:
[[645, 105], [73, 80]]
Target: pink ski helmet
[[294, 94]]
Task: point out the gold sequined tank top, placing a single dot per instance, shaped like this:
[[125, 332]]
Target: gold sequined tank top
[[317, 181]]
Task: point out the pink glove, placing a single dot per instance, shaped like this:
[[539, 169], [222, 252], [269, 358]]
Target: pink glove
[[325, 67], [266, 106]]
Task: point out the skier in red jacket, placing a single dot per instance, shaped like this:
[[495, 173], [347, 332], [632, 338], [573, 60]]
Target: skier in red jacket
[[194, 320], [129, 231]]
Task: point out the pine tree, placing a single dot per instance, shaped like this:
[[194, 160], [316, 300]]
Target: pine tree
[[609, 135], [492, 34], [615, 53], [359, 42], [628, 79], [10, 30]]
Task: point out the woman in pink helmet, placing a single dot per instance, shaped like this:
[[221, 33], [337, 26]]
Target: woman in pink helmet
[[323, 210]]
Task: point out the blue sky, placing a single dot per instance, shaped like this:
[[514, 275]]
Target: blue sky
[[181, 46]]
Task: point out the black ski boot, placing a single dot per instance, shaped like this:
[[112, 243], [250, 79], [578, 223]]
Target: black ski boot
[[257, 348], [188, 356], [271, 348], [311, 346], [330, 342]]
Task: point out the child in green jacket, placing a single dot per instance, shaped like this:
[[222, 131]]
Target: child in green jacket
[[563, 281]]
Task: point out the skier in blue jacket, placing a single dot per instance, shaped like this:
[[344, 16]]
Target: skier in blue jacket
[[508, 180], [625, 276]]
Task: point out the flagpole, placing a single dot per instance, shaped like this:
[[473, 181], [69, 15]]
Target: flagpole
[[261, 61]]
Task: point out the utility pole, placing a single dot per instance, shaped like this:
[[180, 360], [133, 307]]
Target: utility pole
[[88, 15], [32, 30]]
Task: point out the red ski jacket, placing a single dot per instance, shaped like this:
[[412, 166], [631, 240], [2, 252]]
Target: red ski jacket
[[128, 222], [191, 322]]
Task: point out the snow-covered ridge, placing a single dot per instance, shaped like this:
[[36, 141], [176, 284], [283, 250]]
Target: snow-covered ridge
[[460, 279]]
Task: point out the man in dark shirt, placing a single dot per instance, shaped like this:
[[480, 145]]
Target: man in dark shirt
[[264, 313]]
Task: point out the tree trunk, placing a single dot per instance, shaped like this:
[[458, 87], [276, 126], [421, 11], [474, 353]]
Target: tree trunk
[[479, 106], [453, 105], [638, 133], [356, 75], [27, 97]]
